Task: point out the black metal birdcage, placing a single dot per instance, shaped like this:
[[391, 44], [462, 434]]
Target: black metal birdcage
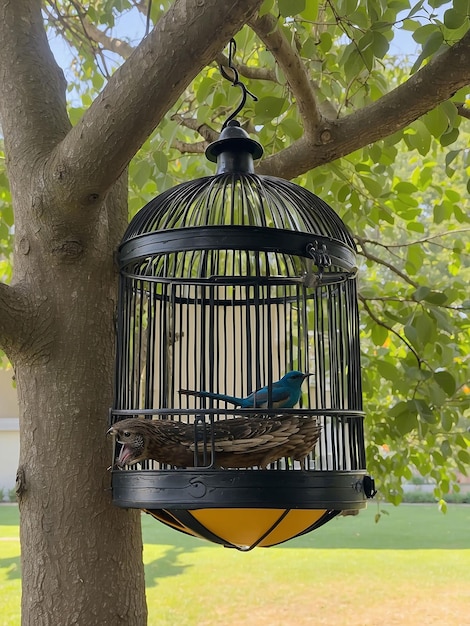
[[227, 284]]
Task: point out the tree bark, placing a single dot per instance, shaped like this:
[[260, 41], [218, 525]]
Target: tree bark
[[81, 556]]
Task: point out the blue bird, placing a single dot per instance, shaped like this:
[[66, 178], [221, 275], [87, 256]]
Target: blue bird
[[285, 393]]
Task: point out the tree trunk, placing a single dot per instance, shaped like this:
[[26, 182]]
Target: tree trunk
[[81, 556], [72, 537]]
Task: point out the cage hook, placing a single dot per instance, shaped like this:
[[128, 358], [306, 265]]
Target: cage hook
[[236, 82]]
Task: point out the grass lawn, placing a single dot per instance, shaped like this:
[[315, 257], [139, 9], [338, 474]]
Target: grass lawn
[[410, 569]]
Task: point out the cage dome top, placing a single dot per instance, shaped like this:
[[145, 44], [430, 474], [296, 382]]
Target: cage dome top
[[238, 208]]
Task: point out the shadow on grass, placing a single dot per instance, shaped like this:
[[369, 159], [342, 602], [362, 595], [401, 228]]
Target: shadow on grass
[[165, 566], [12, 567]]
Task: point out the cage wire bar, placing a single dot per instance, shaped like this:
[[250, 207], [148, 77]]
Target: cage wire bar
[[227, 283]]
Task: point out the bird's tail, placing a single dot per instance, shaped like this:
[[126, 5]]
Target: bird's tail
[[214, 396]]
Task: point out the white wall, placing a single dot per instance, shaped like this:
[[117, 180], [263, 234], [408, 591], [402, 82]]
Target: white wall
[[9, 431]]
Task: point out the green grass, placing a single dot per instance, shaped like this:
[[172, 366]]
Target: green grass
[[410, 568]]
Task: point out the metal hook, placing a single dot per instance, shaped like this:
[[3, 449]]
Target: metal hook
[[235, 82]]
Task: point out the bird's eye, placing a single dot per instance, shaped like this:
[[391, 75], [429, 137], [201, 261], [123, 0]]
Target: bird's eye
[[126, 433]]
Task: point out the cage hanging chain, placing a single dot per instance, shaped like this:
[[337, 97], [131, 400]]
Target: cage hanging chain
[[236, 82]]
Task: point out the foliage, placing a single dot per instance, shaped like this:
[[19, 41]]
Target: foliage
[[405, 196]]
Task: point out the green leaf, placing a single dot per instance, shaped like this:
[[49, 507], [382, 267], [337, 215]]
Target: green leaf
[[449, 137], [436, 121], [411, 334], [446, 381], [288, 8], [464, 456], [416, 227], [203, 113], [7, 216], [161, 161], [446, 449], [432, 45], [406, 422], [436, 297], [415, 9], [293, 129], [424, 326], [453, 19], [425, 412], [4, 230], [309, 48], [311, 10], [399, 408], [269, 107], [266, 7], [421, 293], [343, 193], [140, 173], [373, 186], [354, 63], [366, 41], [462, 6], [414, 258], [380, 45], [441, 212], [326, 42], [405, 187], [419, 137], [379, 335], [442, 506], [450, 110], [387, 370], [447, 422], [205, 88]]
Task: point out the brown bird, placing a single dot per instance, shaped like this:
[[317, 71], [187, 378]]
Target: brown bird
[[234, 443]]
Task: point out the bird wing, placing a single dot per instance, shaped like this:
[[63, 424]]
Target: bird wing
[[233, 443], [245, 442], [279, 396]]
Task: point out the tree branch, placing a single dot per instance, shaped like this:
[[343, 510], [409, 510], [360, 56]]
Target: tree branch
[[463, 110], [249, 71], [427, 239], [122, 48], [141, 91], [208, 133], [434, 83], [379, 322], [189, 148], [291, 64], [392, 268], [32, 86], [384, 299]]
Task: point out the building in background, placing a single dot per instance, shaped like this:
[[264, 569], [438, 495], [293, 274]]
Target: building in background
[[9, 432]]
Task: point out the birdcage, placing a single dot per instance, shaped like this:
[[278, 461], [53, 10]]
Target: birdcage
[[230, 284]]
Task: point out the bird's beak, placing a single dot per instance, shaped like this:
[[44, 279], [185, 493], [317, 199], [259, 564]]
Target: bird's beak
[[307, 375], [111, 431]]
